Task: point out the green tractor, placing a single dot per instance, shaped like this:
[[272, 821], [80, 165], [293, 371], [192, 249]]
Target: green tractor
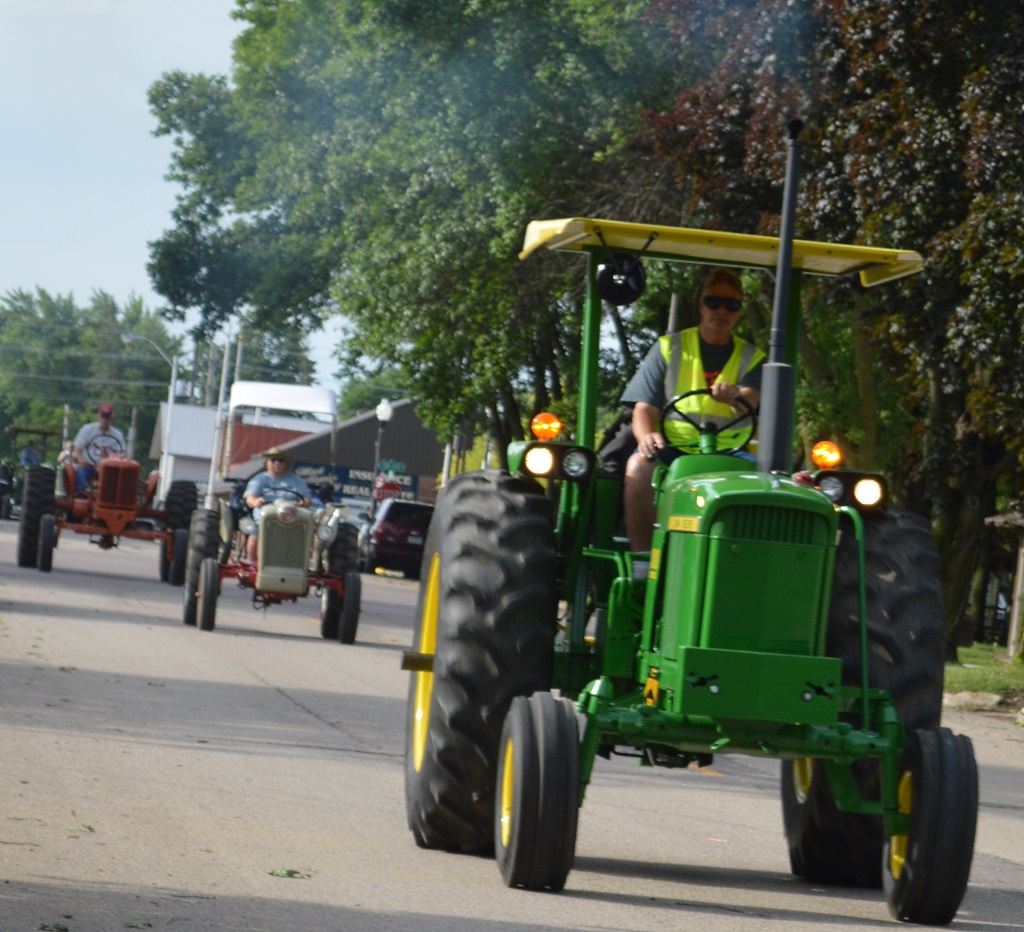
[[791, 615]]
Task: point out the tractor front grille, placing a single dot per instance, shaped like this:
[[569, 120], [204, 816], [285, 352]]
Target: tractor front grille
[[284, 545], [773, 525], [118, 484]]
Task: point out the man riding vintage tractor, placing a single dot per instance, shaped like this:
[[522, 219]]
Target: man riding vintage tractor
[[299, 549], [115, 504], [288, 545], [778, 613]]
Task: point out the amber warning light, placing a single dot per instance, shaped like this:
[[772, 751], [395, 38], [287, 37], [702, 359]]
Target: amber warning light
[[546, 426], [826, 455]]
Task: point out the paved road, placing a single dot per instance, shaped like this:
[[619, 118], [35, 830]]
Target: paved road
[[156, 777]]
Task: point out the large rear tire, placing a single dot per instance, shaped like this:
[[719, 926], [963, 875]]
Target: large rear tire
[[37, 500], [487, 615], [182, 501], [203, 542], [179, 557], [906, 654], [342, 559]]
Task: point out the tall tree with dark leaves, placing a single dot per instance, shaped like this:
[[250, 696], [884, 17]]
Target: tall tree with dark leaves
[[913, 118]]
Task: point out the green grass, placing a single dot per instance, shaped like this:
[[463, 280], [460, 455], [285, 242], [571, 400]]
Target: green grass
[[986, 668]]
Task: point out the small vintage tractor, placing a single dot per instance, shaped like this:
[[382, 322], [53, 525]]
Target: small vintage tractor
[[299, 550], [781, 614], [116, 504]]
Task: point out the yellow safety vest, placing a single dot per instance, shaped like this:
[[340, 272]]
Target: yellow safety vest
[[684, 372]]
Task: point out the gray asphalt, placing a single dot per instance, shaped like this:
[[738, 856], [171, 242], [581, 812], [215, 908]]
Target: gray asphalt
[[157, 777]]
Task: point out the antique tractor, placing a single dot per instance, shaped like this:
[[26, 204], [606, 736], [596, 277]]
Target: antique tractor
[[779, 613], [299, 550], [116, 504]]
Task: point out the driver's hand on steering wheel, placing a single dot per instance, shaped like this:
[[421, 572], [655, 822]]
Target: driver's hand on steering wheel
[[650, 445], [725, 392]]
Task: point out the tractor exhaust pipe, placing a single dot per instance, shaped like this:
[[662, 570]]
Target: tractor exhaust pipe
[[778, 381]]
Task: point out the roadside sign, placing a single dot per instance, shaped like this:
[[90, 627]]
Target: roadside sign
[[387, 490]]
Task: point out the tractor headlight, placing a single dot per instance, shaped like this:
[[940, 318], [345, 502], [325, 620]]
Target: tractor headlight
[[247, 526], [576, 464], [539, 461], [551, 460], [868, 492], [832, 487], [865, 491], [325, 532]]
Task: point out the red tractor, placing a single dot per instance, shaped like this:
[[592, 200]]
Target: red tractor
[[116, 504]]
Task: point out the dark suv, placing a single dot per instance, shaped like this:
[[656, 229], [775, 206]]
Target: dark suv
[[393, 538]]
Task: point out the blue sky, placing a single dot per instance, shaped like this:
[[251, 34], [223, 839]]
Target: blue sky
[[81, 173]]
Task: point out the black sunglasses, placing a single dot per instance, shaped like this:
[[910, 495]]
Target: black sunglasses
[[277, 459], [714, 302]]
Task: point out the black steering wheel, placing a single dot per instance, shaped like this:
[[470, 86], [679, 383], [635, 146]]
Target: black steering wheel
[[706, 431], [102, 445], [282, 490]]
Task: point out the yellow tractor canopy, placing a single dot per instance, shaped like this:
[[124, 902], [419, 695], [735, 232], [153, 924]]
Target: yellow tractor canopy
[[875, 265]]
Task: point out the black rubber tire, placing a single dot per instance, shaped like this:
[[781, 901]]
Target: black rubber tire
[[330, 614], [189, 605], [342, 559], [906, 656], [179, 558], [925, 872], [47, 541], [36, 501], [344, 553], [209, 589], [537, 810], [5, 507], [182, 501], [163, 562], [487, 612], [203, 542], [350, 608]]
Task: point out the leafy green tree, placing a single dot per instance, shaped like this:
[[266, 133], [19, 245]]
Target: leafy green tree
[[910, 108], [56, 353], [381, 160]]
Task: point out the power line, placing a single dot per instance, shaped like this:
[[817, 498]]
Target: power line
[[101, 379]]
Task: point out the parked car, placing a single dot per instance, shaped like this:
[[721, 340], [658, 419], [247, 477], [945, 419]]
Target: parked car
[[394, 538]]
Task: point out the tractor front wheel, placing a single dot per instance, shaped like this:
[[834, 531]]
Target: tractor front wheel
[[924, 872], [209, 589], [330, 614], [486, 619], [350, 608], [537, 808], [47, 541]]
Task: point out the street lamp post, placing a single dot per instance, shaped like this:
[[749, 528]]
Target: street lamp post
[[172, 361], [384, 414]]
